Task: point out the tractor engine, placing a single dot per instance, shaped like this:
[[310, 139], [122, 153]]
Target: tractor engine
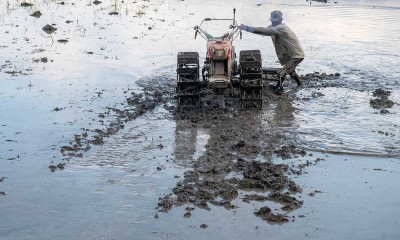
[[219, 64]]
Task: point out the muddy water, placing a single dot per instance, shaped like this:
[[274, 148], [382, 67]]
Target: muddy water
[[112, 191], [365, 53], [360, 42]]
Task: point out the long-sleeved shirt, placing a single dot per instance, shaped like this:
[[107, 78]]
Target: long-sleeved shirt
[[287, 45]]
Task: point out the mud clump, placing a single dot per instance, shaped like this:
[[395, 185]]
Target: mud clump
[[49, 29], [265, 176], [381, 101], [57, 109], [53, 166], [203, 226], [97, 140], [290, 203], [165, 203], [254, 197], [317, 79], [1, 192], [36, 14], [42, 59], [312, 194], [199, 192], [26, 4], [286, 152], [266, 213]]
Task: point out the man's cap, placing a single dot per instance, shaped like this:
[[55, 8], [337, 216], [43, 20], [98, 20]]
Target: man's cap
[[276, 15]]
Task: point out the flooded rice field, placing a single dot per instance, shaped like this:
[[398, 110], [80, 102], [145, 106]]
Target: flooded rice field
[[92, 145]]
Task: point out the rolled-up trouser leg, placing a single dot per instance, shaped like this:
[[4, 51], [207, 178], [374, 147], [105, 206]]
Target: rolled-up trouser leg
[[290, 68], [297, 78]]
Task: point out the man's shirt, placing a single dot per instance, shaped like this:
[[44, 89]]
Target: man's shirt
[[287, 45]]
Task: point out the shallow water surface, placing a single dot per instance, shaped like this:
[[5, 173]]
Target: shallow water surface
[[112, 191]]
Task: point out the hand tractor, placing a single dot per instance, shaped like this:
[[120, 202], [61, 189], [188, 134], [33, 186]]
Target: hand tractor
[[221, 70]]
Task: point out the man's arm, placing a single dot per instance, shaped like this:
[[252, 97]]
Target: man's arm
[[265, 31]]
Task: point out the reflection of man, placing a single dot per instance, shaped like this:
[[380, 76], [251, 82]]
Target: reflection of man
[[287, 46]]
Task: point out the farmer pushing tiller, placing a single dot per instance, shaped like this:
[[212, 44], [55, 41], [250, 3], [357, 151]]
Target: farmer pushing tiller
[[221, 70], [287, 46]]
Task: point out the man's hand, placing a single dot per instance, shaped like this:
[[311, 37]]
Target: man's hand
[[243, 27]]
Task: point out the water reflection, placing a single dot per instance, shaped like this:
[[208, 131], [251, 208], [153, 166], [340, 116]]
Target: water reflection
[[185, 141], [280, 122]]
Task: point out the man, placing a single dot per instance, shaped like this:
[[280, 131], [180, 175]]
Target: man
[[287, 46]]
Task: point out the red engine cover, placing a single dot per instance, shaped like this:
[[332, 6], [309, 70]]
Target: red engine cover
[[214, 46]]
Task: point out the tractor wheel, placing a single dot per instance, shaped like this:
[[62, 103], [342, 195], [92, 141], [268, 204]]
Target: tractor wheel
[[188, 85], [251, 84]]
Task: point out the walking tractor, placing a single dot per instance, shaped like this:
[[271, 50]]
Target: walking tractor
[[221, 70]]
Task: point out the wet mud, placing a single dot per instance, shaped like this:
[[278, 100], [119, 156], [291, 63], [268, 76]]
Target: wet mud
[[381, 101], [135, 106], [266, 213], [2, 193], [318, 79], [229, 169]]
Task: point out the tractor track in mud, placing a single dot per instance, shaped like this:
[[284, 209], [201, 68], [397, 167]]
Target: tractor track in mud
[[239, 139]]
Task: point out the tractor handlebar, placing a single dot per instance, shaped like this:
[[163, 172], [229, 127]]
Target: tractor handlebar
[[218, 19], [233, 26]]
